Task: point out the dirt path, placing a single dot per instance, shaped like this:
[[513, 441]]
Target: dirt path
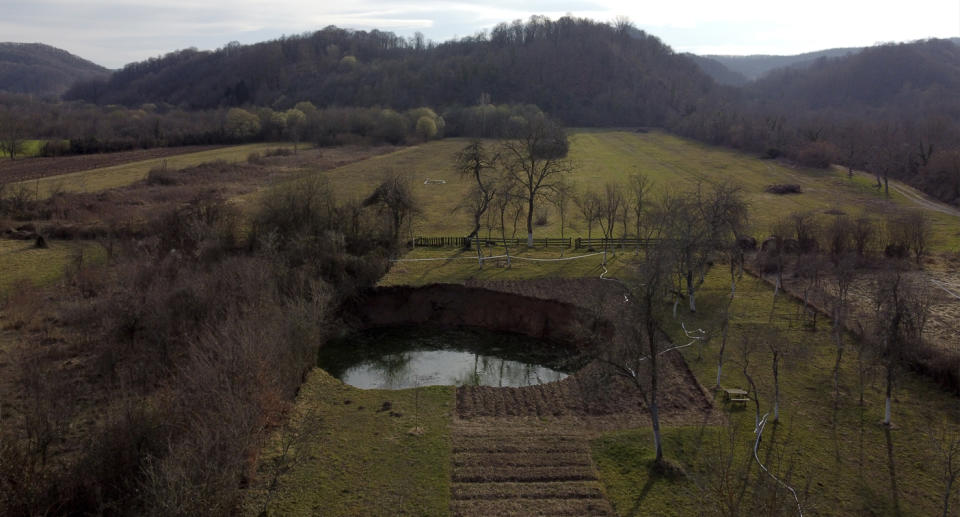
[[508, 467], [916, 197]]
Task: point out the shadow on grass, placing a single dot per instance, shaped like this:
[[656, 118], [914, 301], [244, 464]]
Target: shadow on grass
[[667, 472]]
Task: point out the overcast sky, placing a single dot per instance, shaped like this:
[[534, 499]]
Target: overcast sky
[[115, 32]]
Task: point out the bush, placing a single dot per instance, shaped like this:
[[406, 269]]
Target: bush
[[278, 151], [255, 158], [817, 155], [784, 189], [161, 175]]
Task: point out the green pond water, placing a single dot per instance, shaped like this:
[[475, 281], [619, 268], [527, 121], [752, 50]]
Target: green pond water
[[406, 357]]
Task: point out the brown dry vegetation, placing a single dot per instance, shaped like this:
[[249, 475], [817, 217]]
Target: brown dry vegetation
[[148, 384], [939, 357], [33, 168]]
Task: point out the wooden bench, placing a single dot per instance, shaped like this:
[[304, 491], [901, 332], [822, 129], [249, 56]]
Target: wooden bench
[[742, 400]]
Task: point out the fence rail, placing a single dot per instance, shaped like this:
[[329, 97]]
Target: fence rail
[[543, 242], [625, 242]]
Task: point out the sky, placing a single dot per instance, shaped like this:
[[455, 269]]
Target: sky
[[115, 32]]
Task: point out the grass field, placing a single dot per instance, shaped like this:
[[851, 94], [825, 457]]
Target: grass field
[[20, 261], [841, 461], [605, 156], [367, 460], [121, 175], [424, 266]]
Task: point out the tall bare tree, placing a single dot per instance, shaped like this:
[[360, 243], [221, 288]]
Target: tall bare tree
[[611, 203], [560, 198], [535, 157], [638, 190], [480, 164], [588, 203], [13, 129], [635, 355], [901, 307]]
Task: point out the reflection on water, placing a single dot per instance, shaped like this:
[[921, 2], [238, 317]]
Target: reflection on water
[[407, 357]]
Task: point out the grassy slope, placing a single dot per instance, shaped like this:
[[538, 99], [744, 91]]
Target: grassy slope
[[20, 261], [365, 461], [463, 266], [603, 156], [842, 457], [120, 175]]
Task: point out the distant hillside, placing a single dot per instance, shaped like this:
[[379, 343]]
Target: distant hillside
[[906, 78], [756, 66], [718, 71], [584, 72], [38, 69]]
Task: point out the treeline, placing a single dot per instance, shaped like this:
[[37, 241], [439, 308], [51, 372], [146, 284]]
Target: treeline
[[80, 128], [581, 71]]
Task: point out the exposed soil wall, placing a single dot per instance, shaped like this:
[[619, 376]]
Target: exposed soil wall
[[452, 305]]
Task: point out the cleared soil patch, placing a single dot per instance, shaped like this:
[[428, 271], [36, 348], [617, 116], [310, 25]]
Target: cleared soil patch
[[512, 467], [33, 168]]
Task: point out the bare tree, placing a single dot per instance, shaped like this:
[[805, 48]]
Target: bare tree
[[535, 157], [638, 189], [635, 355], [901, 306], [562, 193], [946, 453], [747, 347], [13, 129], [724, 333], [864, 233], [477, 162], [394, 198], [507, 205], [589, 204], [844, 274], [611, 202]]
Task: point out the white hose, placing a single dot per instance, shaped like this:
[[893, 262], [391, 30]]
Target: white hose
[[756, 445]]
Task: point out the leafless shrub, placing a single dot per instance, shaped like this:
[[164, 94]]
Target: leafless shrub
[[255, 158], [781, 189], [161, 175]]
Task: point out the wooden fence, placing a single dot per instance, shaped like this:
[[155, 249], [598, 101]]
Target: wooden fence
[[544, 242], [625, 242]]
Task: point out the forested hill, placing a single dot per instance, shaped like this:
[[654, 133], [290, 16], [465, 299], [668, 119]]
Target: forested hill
[[897, 78], [756, 66], [42, 70], [584, 72]]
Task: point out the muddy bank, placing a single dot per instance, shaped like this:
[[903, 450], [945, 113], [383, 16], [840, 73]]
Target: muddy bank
[[452, 305]]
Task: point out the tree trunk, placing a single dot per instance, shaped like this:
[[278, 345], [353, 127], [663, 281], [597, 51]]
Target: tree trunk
[[530, 222], [654, 382], [691, 291], [886, 411], [946, 498], [723, 347], [655, 417], [776, 386]]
